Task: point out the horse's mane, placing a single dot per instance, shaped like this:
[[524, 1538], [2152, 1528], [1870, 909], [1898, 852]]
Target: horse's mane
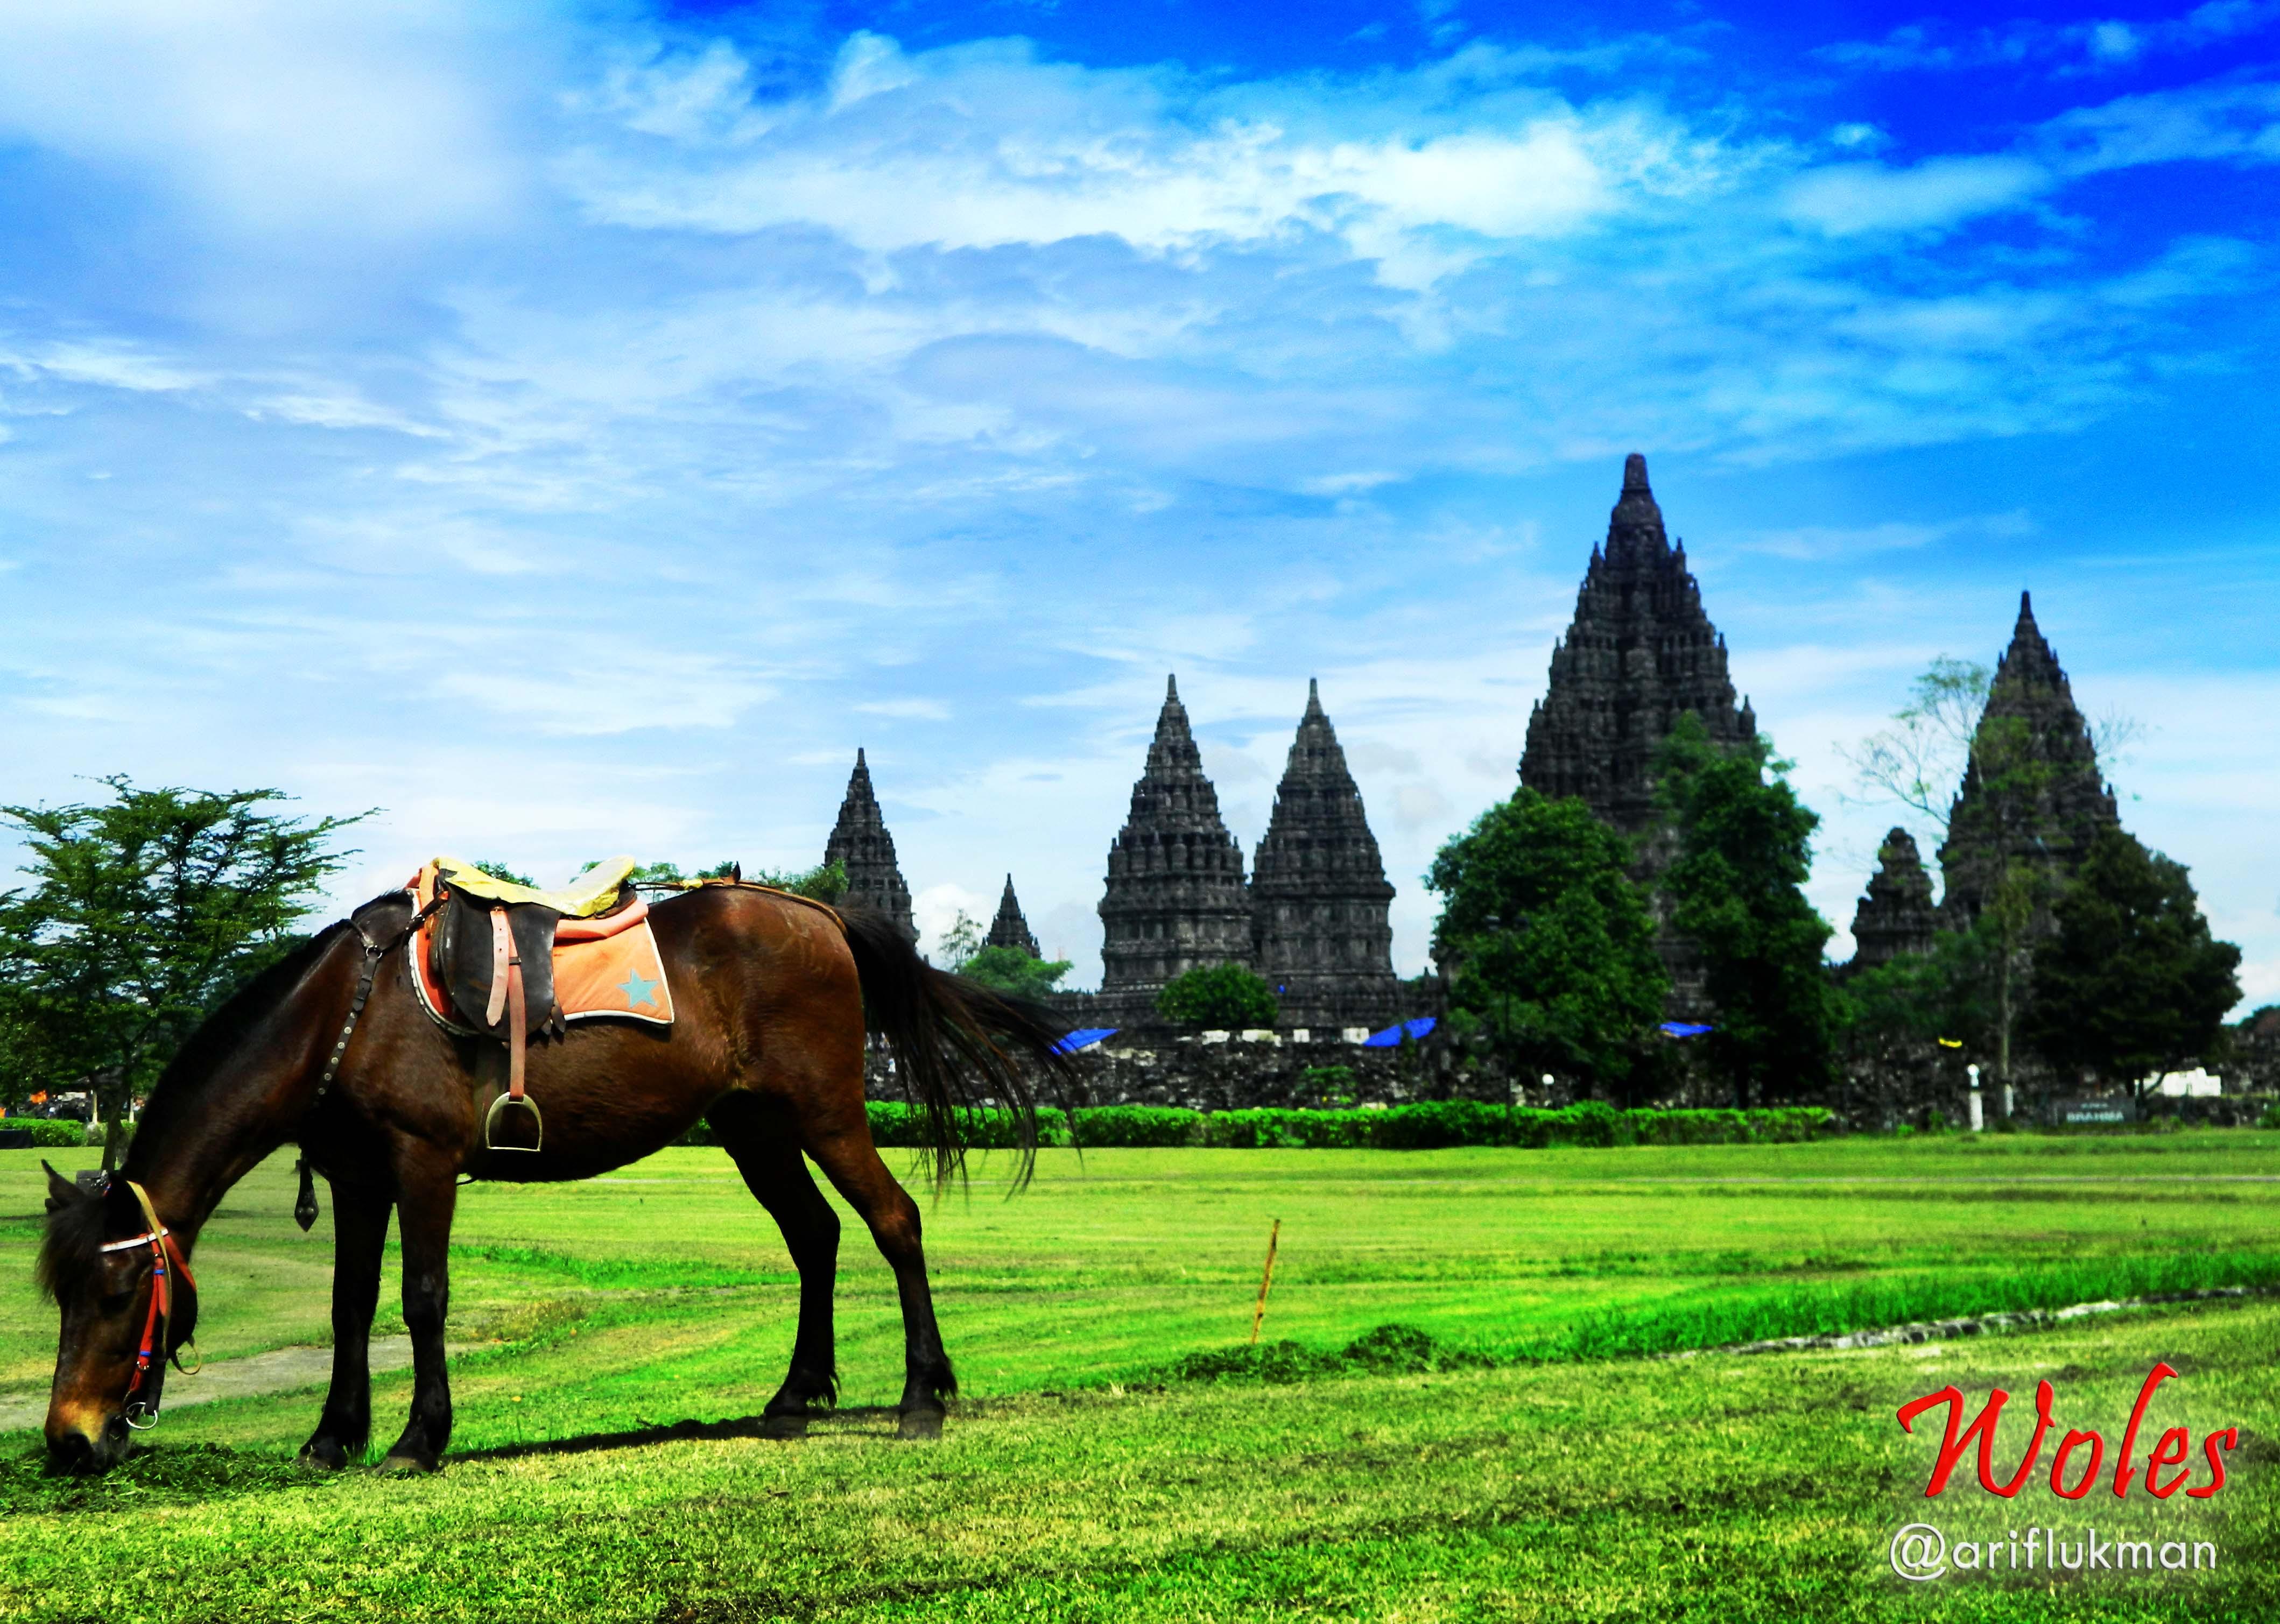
[[75, 1228]]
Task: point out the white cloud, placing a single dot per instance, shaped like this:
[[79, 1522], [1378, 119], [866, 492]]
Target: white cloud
[[1848, 198]]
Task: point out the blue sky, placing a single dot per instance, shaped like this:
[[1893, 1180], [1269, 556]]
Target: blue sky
[[576, 429]]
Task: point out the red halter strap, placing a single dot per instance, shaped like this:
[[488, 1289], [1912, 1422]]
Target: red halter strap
[[157, 1322]]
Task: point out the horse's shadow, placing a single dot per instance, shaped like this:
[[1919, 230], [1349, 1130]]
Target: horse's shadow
[[676, 1432]]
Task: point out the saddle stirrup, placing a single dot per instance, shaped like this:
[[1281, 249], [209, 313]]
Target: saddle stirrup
[[517, 1041]]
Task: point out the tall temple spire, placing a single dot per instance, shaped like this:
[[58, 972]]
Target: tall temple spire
[[860, 844], [2033, 796], [1319, 897], [1639, 653], [1175, 897], [1009, 928]]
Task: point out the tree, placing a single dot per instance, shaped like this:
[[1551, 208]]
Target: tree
[[825, 882], [2131, 984], [1917, 763], [1548, 944], [1743, 849], [1009, 969], [1225, 998], [144, 913]]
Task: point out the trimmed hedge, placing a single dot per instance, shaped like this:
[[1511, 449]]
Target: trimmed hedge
[[50, 1133], [1435, 1125]]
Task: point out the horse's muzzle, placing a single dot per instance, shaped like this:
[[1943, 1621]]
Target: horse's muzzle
[[74, 1448]]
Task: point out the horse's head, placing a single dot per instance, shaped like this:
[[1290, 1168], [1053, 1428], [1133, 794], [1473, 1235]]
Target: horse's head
[[106, 1293]]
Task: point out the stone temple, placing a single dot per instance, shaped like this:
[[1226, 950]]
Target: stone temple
[[1639, 654], [1896, 916], [1009, 928], [1175, 897], [1313, 920], [860, 844], [2032, 794], [1319, 897]]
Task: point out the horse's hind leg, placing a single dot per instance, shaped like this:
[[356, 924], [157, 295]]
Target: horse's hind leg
[[765, 1145], [359, 1233], [851, 1161]]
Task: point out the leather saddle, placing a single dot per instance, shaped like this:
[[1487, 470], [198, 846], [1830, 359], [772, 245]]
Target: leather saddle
[[492, 948]]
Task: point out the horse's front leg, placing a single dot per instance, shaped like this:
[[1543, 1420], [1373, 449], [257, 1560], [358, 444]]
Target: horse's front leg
[[359, 1233], [426, 1192]]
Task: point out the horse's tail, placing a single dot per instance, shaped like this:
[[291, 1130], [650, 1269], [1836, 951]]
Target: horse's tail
[[956, 1043]]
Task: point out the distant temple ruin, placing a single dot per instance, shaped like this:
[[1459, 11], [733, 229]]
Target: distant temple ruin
[[1319, 901], [1896, 917], [1009, 928], [1639, 654], [860, 844], [2033, 795], [1175, 899]]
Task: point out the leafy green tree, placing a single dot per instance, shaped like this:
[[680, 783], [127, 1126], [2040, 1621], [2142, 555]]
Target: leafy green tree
[[1921, 997], [143, 913], [961, 941], [1548, 944], [825, 882], [1009, 970], [2132, 983], [1743, 849], [1226, 998]]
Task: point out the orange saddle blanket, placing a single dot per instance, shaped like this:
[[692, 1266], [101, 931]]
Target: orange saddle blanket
[[607, 967]]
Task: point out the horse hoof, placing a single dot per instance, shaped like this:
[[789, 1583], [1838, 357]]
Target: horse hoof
[[325, 1457], [921, 1424], [784, 1427], [398, 1465]]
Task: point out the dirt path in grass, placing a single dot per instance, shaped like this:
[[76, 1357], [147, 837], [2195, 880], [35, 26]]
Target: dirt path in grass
[[277, 1372]]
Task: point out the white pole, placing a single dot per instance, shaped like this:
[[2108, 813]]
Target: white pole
[[1978, 1113]]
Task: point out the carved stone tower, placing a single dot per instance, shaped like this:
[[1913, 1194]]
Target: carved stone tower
[[2032, 796], [1639, 653], [1896, 917], [1009, 928], [860, 844], [1318, 892], [1175, 897]]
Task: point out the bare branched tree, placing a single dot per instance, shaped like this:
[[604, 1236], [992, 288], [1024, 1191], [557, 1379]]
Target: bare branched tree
[[1917, 763]]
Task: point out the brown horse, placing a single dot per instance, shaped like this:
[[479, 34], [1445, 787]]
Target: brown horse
[[771, 996]]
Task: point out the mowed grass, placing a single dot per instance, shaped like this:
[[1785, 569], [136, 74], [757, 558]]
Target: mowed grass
[[1071, 1484]]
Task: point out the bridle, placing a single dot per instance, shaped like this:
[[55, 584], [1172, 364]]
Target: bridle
[[166, 1259], [159, 1322]]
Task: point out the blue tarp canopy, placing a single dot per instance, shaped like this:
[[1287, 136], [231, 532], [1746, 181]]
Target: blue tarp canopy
[[1685, 1028], [1083, 1037], [1410, 1029]]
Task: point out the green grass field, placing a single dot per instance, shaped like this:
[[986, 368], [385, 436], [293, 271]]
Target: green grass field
[[1076, 1482]]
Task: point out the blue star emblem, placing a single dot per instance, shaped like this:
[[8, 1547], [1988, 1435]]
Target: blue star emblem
[[639, 989]]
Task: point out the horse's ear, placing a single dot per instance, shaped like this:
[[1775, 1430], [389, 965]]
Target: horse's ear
[[61, 1191]]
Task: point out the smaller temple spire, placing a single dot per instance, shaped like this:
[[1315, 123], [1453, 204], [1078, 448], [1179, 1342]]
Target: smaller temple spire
[[1009, 928], [1896, 916]]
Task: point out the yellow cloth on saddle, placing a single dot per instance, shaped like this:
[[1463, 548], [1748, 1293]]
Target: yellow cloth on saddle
[[590, 893]]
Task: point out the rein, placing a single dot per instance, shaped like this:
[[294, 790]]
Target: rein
[[159, 1323]]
